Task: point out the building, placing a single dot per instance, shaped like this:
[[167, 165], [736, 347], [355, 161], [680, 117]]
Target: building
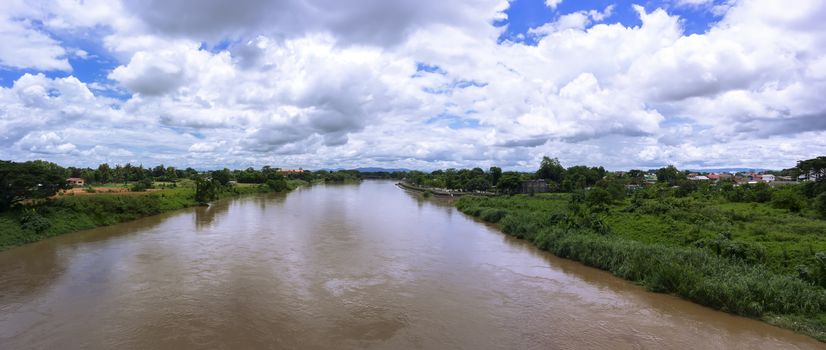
[[534, 186], [699, 178], [768, 178], [290, 171], [75, 182]]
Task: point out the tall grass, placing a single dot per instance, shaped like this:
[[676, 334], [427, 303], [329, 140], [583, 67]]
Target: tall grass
[[738, 286], [74, 213]]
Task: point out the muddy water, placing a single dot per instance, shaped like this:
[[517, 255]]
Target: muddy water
[[355, 266]]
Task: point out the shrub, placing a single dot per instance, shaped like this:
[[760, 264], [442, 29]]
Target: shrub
[[820, 205], [788, 199], [31, 220], [141, 186], [492, 215]]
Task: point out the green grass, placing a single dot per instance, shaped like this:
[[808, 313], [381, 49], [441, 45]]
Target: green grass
[[736, 257], [73, 213]]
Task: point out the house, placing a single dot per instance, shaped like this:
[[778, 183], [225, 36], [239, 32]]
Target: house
[[699, 178], [75, 182], [768, 178], [290, 171], [754, 177], [650, 178], [534, 186]]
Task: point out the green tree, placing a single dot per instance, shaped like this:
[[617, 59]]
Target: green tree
[[477, 184], [277, 183], [636, 176], [787, 198], [29, 180], [495, 174], [222, 176], [510, 182], [205, 190], [669, 175], [598, 197], [103, 174], [550, 170]]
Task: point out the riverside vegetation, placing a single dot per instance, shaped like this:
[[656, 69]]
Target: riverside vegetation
[[752, 250], [31, 209]]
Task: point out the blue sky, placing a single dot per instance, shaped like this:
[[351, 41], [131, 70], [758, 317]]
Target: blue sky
[[521, 16], [309, 83], [526, 14]]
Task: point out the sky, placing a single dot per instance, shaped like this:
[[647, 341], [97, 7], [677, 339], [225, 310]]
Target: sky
[[422, 84]]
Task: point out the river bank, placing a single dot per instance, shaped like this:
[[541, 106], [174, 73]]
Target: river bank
[[338, 266], [71, 213], [659, 251], [439, 191]]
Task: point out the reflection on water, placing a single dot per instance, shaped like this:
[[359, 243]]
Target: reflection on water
[[346, 266]]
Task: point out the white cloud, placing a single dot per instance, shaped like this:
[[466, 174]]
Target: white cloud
[[344, 91], [552, 3], [574, 20], [22, 46], [48, 142]]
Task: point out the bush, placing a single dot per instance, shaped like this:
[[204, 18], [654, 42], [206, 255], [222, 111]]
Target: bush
[[598, 197], [31, 220], [277, 185], [788, 199], [820, 205], [492, 215], [141, 186]]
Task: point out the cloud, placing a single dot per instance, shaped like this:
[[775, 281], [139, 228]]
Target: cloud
[[23, 46], [317, 83], [48, 142], [373, 22], [552, 3], [574, 20]]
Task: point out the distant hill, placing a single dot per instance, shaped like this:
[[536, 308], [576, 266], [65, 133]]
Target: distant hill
[[728, 170], [378, 170]]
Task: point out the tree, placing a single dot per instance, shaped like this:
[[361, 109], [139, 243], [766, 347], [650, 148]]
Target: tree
[[787, 198], [205, 190], [669, 175], [550, 170], [636, 176], [598, 197], [277, 183], [495, 174], [103, 174], [510, 182], [29, 180], [222, 176], [581, 176], [477, 184], [613, 186]]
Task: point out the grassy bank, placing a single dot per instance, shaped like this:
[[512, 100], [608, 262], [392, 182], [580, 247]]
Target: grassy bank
[[27, 224], [747, 259]]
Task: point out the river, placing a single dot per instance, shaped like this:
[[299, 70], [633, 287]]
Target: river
[[337, 266]]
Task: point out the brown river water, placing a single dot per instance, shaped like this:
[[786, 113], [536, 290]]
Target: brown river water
[[337, 267]]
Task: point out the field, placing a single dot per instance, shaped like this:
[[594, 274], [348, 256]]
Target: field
[[749, 259]]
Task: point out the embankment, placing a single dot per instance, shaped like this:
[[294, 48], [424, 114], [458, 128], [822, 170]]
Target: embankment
[[695, 274], [66, 214]]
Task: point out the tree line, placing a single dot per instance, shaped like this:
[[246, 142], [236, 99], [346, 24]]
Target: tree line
[[32, 180]]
